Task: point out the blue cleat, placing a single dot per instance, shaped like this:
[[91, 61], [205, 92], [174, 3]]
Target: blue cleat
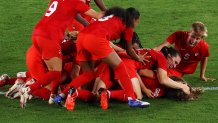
[[138, 103], [58, 100]]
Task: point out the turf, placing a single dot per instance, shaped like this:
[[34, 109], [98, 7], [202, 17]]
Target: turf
[[159, 18]]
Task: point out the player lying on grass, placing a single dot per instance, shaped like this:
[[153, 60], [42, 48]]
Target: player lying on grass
[[193, 49], [159, 61]]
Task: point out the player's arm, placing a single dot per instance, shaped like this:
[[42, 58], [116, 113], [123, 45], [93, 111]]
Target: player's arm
[[82, 20], [92, 13], [116, 48], [165, 80], [132, 53], [147, 91], [203, 66], [101, 5], [165, 43]]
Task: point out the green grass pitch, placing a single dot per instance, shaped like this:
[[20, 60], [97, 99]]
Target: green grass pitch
[[159, 18]]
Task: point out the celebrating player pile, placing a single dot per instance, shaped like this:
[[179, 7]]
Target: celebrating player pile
[[72, 56]]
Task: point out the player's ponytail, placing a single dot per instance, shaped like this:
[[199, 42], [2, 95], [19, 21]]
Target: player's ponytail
[[132, 14], [126, 15], [118, 12]]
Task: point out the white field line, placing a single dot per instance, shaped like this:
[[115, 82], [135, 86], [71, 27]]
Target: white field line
[[2, 93], [210, 88]]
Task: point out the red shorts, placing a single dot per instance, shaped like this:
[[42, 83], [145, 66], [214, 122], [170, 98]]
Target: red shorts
[[47, 48], [90, 47], [174, 72], [35, 64]]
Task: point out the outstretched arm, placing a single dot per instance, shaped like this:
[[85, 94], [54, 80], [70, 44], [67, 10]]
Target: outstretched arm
[[94, 14], [82, 20], [147, 91], [101, 5], [165, 43], [165, 80], [203, 67]]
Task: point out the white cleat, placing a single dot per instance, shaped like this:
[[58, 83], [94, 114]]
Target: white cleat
[[51, 99], [13, 92], [24, 95], [3, 79]]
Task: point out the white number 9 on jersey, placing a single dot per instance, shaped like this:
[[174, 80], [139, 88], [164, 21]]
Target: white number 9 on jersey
[[51, 8]]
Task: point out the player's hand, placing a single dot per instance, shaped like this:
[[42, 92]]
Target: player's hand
[[143, 57], [149, 93], [186, 89], [206, 79]]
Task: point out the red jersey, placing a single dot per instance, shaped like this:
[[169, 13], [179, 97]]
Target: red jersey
[[157, 60], [109, 27], [154, 85], [190, 55], [57, 17]]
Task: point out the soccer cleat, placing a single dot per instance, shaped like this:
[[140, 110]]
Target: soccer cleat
[[138, 103], [51, 99], [24, 95], [3, 79], [59, 100], [12, 93], [104, 96], [71, 98]]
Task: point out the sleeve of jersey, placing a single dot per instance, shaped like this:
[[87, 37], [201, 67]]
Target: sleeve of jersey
[[128, 34], [82, 7], [161, 62], [172, 38], [206, 51]]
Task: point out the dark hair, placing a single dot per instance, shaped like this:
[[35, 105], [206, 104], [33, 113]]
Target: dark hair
[[126, 15], [135, 39], [179, 95], [133, 14], [170, 50]]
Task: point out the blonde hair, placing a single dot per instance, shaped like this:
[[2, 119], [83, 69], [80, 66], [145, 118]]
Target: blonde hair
[[199, 28]]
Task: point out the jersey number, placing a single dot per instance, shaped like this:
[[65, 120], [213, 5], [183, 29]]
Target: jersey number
[[51, 8], [105, 18]]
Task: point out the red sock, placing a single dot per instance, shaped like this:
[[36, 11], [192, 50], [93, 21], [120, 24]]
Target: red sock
[[124, 78], [118, 95], [43, 93], [54, 86], [86, 95], [80, 80], [28, 74], [45, 79]]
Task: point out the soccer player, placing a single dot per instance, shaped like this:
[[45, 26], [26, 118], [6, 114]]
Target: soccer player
[[159, 61], [48, 35], [158, 90], [193, 49], [93, 43]]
